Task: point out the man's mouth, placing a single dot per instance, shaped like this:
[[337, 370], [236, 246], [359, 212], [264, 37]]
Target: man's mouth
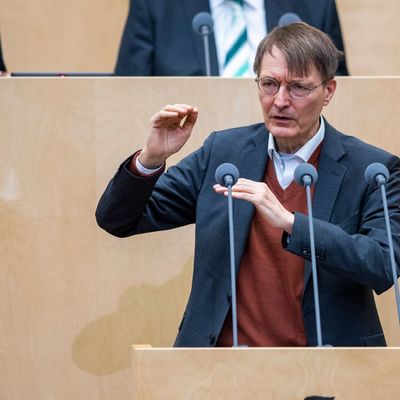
[[281, 117]]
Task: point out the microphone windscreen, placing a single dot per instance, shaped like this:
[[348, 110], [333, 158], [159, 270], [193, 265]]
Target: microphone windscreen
[[303, 170], [373, 170], [202, 19], [288, 18], [224, 170]]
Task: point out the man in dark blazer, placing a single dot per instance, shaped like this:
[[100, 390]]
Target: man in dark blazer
[[295, 68], [159, 39], [2, 65]]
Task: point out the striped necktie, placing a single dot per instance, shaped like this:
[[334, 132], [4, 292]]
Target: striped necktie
[[237, 50]]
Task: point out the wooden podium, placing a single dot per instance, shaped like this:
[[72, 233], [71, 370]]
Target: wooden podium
[[266, 373]]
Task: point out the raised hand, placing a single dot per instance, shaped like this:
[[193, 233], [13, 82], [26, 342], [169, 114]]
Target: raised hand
[[170, 129]]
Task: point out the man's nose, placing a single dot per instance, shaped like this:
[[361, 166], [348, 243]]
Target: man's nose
[[282, 97]]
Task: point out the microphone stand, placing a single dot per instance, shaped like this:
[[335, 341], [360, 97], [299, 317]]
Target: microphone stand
[[307, 183], [202, 24], [227, 175], [232, 261], [305, 174], [205, 32], [381, 182]]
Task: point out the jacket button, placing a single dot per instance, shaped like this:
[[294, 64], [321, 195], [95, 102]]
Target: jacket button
[[305, 252]]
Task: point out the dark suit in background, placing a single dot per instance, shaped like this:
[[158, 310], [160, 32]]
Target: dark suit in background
[[2, 65], [159, 40], [349, 228]]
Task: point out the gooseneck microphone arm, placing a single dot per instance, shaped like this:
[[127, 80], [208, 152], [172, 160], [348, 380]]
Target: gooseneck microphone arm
[[306, 175], [313, 261], [376, 174], [206, 50], [202, 24], [232, 263], [227, 175], [391, 251]]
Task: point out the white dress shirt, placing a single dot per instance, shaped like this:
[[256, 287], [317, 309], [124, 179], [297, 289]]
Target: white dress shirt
[[285, 164]]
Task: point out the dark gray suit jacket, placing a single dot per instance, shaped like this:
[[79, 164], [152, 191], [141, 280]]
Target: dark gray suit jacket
[[159, 40], [351, 241]]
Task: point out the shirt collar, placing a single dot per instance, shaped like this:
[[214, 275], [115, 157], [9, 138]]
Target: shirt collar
[[306, 151], [256, 4]]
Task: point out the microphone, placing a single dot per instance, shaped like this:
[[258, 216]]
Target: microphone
[[376, 175], [306, 175], [288, 18], [227, 175], [202, 24]]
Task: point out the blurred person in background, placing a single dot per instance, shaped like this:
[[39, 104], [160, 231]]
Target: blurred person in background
[[158, 39]]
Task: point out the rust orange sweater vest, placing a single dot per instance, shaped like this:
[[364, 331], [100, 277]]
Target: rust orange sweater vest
[[270, 280]]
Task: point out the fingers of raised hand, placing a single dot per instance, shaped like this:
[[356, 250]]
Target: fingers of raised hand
[[181, 109], [174, 114]]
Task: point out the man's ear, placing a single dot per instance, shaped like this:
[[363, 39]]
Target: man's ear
[[330, 88]]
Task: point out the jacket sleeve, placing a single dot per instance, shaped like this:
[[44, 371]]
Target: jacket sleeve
[[357, 249], [132, 204]]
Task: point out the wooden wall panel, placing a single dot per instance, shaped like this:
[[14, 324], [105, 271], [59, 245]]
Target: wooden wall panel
[[262, 373], [372, 36], [84, 35], [52, 35], [73, 298]]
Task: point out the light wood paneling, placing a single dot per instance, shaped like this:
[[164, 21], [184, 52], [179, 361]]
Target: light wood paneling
[[73, 298], [265, 373], [372, 36], [53, 35], [84, 35]]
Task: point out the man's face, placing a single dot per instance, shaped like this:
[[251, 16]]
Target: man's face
[[292, 122]]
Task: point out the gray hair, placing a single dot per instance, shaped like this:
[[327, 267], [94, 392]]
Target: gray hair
[[303, 46]]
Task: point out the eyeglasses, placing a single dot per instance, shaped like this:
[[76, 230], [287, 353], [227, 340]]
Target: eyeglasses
[[297, 91]]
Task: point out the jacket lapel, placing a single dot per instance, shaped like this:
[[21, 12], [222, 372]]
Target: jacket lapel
[[192, 7], [252, 165], [330, 176]]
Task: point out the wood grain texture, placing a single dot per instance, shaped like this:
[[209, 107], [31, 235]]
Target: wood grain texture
[[69, 36], [371, 34], [73, 298], [265, 373]]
